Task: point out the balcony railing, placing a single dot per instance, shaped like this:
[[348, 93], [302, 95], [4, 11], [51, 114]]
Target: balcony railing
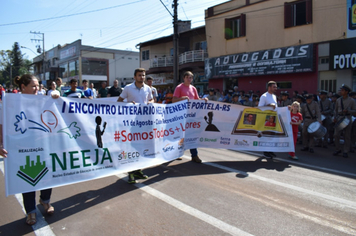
[[187, 57], [192, 56], [161, 62]]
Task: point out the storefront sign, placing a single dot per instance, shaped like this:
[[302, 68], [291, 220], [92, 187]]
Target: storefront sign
[[292, 59], [69, 52], [342, 54]]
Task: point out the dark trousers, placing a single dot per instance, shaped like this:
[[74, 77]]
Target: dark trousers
[[194, 152], [29, 199]]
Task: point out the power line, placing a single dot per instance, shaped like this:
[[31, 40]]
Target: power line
[[75, 14]]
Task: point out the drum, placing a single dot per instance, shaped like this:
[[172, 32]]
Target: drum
[[316, 129], [342, 123]]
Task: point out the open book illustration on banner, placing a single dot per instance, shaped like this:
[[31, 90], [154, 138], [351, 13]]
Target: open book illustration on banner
[[259, 122]]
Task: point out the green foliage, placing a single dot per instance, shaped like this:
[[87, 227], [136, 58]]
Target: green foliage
[[12, 64]]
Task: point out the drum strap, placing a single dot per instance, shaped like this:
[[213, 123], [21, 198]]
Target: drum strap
[[342, 104], [311, 114], [321, 106]]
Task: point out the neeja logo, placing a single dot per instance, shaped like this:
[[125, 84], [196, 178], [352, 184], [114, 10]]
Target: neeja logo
[[32, 174]]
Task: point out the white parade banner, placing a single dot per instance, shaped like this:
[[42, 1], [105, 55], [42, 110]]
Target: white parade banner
[[55, 142]]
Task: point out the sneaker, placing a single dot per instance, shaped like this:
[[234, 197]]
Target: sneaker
[[179, 158], [132, 179], [140, 175], [293, 157], [304, 149], [196, 159]]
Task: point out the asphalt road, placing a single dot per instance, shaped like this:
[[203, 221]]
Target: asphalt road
[[230, 193]]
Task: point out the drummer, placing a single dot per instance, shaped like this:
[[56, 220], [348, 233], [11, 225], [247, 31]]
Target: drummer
[[345, 107], [326, 112], [311, 113], [353, 132], [334, 97]]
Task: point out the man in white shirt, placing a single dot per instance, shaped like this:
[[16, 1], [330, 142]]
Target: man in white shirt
[[149, 82], [137, 92], [269, 99]]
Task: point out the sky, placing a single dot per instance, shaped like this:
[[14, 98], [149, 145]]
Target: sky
[[115, 24]]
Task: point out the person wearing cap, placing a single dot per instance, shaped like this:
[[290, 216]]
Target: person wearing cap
[[235, 99], [269, 99], [353, 131], [285, 101], [326, 111], [311, 113], [334, 97], [212, 96], [345, 107]]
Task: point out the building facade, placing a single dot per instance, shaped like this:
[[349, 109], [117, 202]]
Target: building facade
[[157, 57], [87, 63], [254, 41]]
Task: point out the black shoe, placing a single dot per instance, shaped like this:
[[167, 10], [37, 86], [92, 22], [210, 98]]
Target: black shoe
[[304, 149], [272, 154], [140, 175], [318, 145], [345, 155], [325, 146], [311, 150], [267, 154], [337, 152], [196, 159]]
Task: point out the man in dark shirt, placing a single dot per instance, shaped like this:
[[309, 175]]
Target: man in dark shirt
[[115, 90], [103, 92]]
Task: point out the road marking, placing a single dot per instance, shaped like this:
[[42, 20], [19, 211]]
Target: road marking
[[188, 209], [41, 228], [305, 165], [345, 202]]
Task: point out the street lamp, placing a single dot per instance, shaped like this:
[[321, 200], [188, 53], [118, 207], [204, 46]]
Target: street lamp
[[28, 49]]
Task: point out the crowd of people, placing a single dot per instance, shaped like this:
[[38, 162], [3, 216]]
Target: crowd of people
[[328, 109]]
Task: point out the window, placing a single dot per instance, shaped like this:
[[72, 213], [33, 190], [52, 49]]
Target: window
[[328, 85], [235, 27], [145, 55], [171, 52], [284, 85], [324, 60], [201, 46], [297, 13]]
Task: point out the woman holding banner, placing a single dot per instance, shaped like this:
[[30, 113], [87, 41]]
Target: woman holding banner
[[28, 84]]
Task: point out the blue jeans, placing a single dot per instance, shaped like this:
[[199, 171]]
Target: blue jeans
[[194, 152], [29, 199]]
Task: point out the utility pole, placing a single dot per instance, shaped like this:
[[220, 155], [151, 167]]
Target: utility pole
[[39, 51], [175, 45]]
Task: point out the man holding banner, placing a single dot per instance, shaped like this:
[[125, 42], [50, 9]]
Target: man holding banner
[[186, 91], [137, 92], [269, 99]]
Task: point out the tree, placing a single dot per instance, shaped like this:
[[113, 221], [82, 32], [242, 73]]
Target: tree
[[12, 60]]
